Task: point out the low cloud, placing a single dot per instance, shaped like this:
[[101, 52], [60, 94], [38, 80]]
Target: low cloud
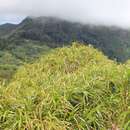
[[106, 12]]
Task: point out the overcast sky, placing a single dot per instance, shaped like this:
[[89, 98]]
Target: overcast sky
[[108, 12]]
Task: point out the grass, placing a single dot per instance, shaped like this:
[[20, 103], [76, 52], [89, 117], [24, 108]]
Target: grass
[[71, 88]]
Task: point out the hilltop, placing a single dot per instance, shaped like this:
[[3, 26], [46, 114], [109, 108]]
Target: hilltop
[[70, 88], [5, 29]]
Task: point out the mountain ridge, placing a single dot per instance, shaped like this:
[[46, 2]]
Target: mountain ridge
[[7, 28], [56, 32]]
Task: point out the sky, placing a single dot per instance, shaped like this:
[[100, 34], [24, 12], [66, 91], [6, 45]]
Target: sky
[[104, 12]]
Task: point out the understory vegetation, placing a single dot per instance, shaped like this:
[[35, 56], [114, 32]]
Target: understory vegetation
[[70, 88]]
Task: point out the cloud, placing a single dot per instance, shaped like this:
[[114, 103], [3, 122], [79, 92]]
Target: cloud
[[15, 19], [107, 12]]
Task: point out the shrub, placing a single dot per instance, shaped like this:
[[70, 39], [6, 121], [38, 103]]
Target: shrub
[[71, 88]]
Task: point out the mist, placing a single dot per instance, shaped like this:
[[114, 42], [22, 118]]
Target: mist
[[98, 12]]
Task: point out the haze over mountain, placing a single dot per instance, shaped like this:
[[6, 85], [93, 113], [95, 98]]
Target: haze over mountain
[[103, 12], [14, 19]]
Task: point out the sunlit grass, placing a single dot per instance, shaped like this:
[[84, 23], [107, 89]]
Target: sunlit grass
[[72, 88]]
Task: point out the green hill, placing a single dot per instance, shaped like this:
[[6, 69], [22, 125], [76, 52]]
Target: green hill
[[55, 32], [17, 55], [34, 36], [72, 88], [5, 29]]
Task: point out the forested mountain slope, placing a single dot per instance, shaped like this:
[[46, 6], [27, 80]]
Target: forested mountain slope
[[5, 29], [35, 35], [113, 41]]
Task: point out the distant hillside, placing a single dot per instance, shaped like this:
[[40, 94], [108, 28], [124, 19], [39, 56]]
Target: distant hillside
[[113, 41], [34, 36], [5, 29], [72, 88]]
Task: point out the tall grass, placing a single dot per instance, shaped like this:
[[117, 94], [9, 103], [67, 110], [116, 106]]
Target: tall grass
[[72, 88]]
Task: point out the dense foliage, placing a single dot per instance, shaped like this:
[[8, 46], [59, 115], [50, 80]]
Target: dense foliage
[[18, 53], [113, 41], [54, 32], [72, 88], [26, 41]]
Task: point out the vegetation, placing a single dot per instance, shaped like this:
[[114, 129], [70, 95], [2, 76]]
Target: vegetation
[[14, 55], [72, 88], [25, 42], [54, 32]]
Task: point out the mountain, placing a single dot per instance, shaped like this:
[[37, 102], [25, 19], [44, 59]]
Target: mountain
[[34, 36], [72, 88], [6, 28], [55, 32]]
